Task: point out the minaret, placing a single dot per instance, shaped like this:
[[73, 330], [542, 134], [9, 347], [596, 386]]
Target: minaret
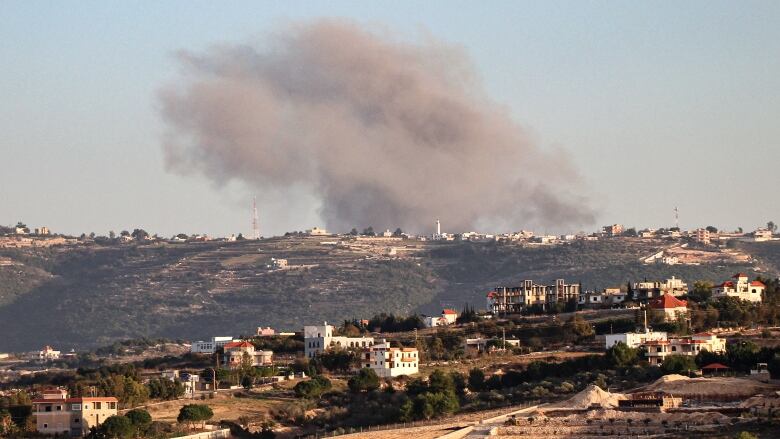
[[438, 227], [255, 220]]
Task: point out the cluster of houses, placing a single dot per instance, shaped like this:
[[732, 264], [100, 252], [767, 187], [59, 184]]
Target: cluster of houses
[[376, 354], [660, 296]]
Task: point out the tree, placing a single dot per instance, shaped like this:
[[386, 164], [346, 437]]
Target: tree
[[112, 234], [369, 231], [476, 380], [365, 381], [139, 234], [712, 229], [578, 328], [124, 233], [621, 355], [680, 364], [353, 232], [117, 427], [140, 418], [771, 226], [192, 413], [398, 232]]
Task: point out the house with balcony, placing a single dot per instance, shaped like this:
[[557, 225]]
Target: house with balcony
[[57, 414], [390, 362]]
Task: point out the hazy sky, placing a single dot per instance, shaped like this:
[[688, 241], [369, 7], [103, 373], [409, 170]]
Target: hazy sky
[[659, 104]]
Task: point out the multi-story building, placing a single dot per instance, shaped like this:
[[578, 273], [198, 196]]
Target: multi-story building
[[657, 350], [515, 299], [234, 354], [320, 338], [668, 308], [647, 290], [388, 362], [613, 230], [702, 235], [211, 346], [741, 287], [56, 413]]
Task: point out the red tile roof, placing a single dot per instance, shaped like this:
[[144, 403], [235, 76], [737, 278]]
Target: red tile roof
[[757, 283], [726, 284], [667, 301], [738, 275], [238, 344], [449, 311], [715, 366]]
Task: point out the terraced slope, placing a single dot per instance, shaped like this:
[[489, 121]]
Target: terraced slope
[[89, 296]]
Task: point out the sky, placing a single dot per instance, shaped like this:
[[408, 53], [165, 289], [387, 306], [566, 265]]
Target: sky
[[658, 104]]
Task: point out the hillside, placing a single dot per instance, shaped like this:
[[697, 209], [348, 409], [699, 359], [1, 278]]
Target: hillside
[[91, 295]]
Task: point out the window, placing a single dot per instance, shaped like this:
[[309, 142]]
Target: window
[[86, 406], [112, 405], [59, 408], [45, 425], [76, 407], [47, 409], [97, 405]]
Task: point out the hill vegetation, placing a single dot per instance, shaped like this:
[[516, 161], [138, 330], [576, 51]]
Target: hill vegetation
[[88, 296]]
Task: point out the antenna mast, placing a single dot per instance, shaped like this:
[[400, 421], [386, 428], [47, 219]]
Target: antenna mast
[[255, 221]]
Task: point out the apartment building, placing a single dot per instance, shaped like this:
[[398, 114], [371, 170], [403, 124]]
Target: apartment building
[[320, 338], [515, 299], [702, 235], [389, 362], [613, 230], [740, 287], [56, 413]]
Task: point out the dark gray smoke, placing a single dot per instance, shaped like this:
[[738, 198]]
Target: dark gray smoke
[[386, 133]]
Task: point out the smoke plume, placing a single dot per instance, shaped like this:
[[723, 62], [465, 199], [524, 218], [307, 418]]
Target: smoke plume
[[384, 132]]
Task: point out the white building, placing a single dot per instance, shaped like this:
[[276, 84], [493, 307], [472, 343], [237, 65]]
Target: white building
[[391, 362], [608, 297], [762, 235], [634, 339], [320, 338], [448, 317], [657, 350], [211, 346], [651, 289], [740, 288], [48, 353], [316, 231]]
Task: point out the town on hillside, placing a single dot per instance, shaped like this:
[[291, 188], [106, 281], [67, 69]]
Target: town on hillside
[[651, 357]]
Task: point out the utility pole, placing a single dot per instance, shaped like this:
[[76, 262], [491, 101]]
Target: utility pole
[[503, 337]]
